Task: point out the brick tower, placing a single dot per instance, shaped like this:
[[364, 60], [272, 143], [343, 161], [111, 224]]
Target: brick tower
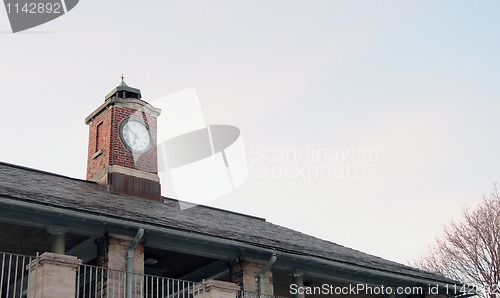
[[122, 153]]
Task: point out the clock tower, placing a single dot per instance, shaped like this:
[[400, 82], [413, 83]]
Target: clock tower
[[122, 153]]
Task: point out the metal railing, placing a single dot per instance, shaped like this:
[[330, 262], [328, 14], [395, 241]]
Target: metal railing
[[99, 282], [14, 275]]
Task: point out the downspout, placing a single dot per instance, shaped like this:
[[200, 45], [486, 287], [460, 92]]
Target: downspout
[[260, 275], [130, 262]]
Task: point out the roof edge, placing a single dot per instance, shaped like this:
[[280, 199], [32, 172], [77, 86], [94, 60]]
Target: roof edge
[[43, 172], [253, 246]]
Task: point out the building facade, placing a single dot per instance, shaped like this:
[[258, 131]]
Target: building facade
[[114, 235]]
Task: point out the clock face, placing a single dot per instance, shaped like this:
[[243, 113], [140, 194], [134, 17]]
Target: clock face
[[136, 136]]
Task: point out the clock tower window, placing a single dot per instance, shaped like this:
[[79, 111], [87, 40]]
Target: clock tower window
[[98, 136]]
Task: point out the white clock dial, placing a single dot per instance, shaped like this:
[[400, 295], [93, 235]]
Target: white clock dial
[[136, 136]]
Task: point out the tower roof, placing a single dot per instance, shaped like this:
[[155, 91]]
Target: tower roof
[[124, 91]]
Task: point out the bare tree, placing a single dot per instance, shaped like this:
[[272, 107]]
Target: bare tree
[[469, 250]]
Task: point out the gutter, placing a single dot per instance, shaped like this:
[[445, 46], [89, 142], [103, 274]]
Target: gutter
[[263, 270], [130, 261], [227, 242]]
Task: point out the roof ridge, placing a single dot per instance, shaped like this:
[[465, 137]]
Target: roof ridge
[[42, 172]]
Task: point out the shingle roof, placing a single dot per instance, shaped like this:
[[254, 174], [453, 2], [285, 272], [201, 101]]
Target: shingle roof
[[87, 197]]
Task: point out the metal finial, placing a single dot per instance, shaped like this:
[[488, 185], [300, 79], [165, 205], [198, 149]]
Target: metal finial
[[122, 77]]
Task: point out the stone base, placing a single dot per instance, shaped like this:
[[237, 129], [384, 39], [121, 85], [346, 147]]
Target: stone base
[[53, 276], [216, 289]]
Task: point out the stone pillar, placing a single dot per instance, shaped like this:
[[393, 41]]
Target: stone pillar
[[244, 272], [53, 276], [112, 252], [58, 243], [298, 279], [216, 289]]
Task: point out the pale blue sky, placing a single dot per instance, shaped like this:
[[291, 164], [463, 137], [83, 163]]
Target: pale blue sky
[[415, 80]]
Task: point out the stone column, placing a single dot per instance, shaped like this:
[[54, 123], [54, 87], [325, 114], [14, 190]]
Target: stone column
[[58, 242], [53, 276], [244, 272], [298, 280], [112, 252], [216, 289]]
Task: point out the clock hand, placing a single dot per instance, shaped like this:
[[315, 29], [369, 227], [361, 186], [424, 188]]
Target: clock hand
[[133, 132], [133, 137]]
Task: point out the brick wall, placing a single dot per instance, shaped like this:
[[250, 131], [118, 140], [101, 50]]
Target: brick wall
[[104, 136], [97, 164], [120, 154]]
